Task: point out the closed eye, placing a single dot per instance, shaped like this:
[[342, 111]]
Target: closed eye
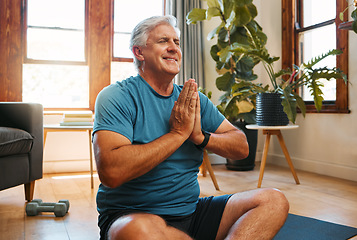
[[165, 40]]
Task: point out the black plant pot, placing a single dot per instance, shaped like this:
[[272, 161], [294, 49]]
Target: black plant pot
[[249, 162], [269, 111]]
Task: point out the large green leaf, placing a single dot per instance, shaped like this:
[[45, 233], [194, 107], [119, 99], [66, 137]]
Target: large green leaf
[[225, 82], [225, 55], [243, 16], [252, 9], [228, 8], [245, 64], [214, 52], [300, 104], [241, 3], [213, 4], [196, 14], [223, 35], [317, 59], [231, 110], [230, 20], [213, 12], [289, 105], [316, 92], [325, 73], [239, 36]]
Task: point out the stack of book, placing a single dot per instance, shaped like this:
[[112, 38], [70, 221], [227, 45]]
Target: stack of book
[[78, 118]]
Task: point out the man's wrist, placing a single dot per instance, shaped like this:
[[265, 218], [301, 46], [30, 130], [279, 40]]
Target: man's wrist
[[207, 136]]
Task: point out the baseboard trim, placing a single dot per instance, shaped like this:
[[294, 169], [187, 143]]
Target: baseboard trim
[[323, 168], [216, 159], [67, 166]]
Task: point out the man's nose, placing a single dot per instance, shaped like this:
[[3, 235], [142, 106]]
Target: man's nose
[[173, 46]]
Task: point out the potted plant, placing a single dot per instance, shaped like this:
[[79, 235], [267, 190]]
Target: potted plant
[[236, 74], [304, 75], [240, 47], [238, 101], [351, 25]]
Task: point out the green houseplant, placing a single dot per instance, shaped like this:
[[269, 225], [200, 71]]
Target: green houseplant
[[240, 47], [237, 26], [238, 102], [304, 75]]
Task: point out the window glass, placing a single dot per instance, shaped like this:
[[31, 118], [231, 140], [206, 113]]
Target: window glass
[[51, 44], [317, 11], [55, 31], [318, 41], [127, 14], [122, 70], [56, 86], [121, 45]]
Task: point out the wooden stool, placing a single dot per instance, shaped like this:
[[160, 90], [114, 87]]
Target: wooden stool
[[269, 131], [206, 165]]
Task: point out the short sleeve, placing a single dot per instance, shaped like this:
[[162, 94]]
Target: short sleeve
[[211, 118], [114, 111]]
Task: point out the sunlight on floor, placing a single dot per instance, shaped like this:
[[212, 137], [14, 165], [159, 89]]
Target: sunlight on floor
[[74, 176]]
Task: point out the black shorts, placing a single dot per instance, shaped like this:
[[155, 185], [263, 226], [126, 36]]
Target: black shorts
[[201, 225]]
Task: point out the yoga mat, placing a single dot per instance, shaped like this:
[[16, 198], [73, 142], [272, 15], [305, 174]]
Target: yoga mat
[[305, 228]]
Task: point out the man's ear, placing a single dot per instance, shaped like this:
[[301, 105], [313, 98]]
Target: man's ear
[[138, 53]]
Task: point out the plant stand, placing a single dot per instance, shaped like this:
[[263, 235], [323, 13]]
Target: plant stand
[[269, 131]]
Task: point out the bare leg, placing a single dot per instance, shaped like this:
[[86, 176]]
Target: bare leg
[[256, 214], [144, 226]]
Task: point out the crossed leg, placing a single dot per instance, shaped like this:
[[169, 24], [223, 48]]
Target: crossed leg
[[144, 226], [255, 214]]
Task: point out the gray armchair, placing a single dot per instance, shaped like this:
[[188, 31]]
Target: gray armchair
[[21, 145]]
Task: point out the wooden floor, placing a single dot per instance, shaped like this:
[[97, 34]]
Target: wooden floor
[[317, 196]]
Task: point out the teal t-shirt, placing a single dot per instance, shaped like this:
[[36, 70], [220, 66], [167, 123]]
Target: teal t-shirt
[[135, 110]]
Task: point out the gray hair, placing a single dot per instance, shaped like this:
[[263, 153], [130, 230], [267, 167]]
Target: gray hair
[[140, 33]]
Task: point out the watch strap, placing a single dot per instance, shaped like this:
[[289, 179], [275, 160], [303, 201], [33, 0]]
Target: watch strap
[[205, 140]]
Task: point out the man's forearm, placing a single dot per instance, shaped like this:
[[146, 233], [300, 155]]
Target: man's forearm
[[128, 162], [231, 144]]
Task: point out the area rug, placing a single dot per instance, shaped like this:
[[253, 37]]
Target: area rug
[[305, 228]]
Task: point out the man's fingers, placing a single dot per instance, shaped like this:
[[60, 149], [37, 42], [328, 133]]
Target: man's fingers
[[198, 105], [184, 92], [189, 88], [190, 99]]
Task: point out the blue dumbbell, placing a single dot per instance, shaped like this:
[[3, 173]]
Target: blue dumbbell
[[36, 206], [41, 203]]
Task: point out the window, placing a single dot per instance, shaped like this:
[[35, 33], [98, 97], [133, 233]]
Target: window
[[55, 69], [73, 48], [310, 28], [127, 15]]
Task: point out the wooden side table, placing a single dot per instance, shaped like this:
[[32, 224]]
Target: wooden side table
[[274, 130], [58, 128]]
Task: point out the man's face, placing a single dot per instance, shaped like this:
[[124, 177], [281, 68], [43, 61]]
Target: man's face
[[162, 53]]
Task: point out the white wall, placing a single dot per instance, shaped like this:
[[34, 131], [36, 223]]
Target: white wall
[[65, 151], [324, 143]]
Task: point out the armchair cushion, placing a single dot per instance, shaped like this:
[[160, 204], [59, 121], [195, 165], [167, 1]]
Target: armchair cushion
[[14, 141]]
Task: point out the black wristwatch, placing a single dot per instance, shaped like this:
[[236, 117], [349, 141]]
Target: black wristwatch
[[205, 141]]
